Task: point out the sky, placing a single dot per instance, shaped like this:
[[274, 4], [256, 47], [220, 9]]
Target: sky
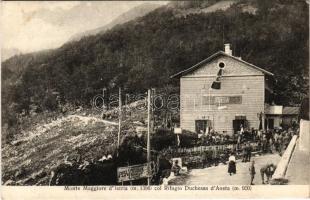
[[33, 26]]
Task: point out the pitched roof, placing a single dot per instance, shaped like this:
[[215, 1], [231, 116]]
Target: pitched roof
[[186, 71], [290, 111], [281, 110], [273, 110]]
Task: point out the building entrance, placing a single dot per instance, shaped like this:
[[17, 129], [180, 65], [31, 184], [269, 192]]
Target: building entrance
[[269, 123], [239, 120], [202, 125]]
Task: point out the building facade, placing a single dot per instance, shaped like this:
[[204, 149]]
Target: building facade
[[238, 99], [281, 116]]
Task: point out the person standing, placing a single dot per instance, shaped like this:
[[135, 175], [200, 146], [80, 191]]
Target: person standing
[[276, 142], [248, 152], [280, 143], [241, 129], [253, 135], [176, 168], [252, 171], [244, 153], [264, 143], [259, 134], [270, 145], [215, 157], [232, 164], [239, 140], [286, 140], [268, 137]]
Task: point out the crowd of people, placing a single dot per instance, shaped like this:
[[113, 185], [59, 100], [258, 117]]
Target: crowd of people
[[215, 138], [268, 141]]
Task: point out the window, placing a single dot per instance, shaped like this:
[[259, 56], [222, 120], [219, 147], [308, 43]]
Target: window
[[202, 125], [221, 65]]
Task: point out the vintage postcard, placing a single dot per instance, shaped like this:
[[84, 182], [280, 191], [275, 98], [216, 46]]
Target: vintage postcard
[[155, 99]]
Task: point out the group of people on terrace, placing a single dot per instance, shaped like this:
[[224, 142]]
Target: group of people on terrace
[[269, 141], [272, 140]]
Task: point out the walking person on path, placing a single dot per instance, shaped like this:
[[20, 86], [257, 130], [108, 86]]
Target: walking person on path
[[252, 171], [232, 164]]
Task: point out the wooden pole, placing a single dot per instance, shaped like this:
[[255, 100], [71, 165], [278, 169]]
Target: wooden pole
[[209, 99], [119, 116], [103, 108], [152, 119], [263, 121], [148, 129]]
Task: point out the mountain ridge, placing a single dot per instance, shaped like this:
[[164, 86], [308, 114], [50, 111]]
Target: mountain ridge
[[132, 14], [7, 53]]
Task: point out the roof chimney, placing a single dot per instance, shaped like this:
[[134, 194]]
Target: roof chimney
[[227, 49]]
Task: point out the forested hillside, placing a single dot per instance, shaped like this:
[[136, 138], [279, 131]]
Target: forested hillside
[[143, 53]]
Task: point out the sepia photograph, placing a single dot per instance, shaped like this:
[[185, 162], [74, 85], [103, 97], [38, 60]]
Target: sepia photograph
[[155, 95]]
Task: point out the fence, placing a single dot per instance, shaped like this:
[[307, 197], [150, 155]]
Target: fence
[[232, 147]]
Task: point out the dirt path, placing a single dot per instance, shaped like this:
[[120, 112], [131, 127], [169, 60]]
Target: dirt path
[[219, 176]]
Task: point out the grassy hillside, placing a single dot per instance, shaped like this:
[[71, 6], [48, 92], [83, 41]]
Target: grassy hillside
[[42, 147], [30, 159]]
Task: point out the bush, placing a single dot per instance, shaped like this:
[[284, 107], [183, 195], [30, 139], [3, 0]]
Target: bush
[[131, 152], [163, 138], [49, 102], [188, 139]]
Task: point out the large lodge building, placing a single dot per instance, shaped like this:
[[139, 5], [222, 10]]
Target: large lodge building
[[222, 92]]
